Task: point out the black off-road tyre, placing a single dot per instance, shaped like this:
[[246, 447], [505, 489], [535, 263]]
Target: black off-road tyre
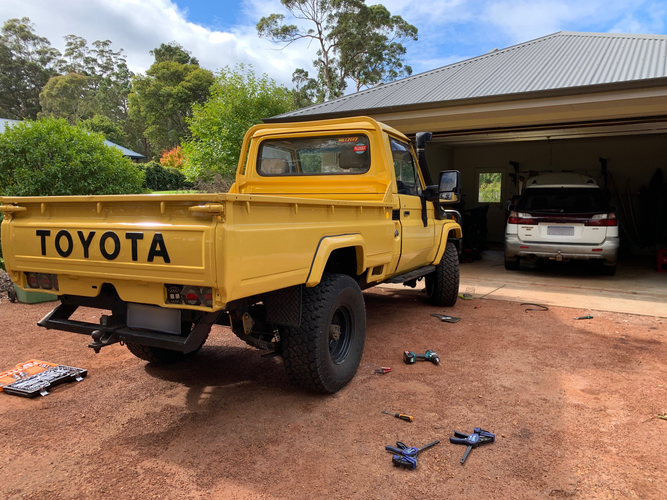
[[314, 358], [442, 286], [161, 356], [512, 265], [608, 270]]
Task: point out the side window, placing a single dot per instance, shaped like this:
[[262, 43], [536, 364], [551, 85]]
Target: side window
[[276, 160], [407, 179]]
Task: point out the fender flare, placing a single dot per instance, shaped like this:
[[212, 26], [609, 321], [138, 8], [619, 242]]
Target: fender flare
[[451, 231], [328, 244]]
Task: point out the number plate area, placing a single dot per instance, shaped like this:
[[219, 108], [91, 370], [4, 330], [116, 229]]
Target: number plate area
[[154, 318], [560, 230]]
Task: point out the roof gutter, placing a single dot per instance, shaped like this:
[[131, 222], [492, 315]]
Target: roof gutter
[[568, 91]]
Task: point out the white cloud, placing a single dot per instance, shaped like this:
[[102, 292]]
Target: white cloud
[[527, 19], [138, 26]]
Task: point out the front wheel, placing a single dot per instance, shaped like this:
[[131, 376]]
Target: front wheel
[[324, 352], [442, 285]]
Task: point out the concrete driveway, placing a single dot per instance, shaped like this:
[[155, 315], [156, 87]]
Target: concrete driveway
[[635, 289]]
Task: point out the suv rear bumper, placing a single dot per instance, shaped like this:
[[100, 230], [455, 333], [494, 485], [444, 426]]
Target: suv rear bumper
[[558, 251]]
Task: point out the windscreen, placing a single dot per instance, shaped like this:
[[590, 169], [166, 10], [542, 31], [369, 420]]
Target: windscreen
[[563, 200], [341, 154]]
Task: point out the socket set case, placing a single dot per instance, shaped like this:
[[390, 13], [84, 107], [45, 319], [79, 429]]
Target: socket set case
[[40, 383], [24, 370]]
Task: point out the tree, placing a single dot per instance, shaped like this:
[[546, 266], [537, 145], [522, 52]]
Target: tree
[[27, 62], [69, 97], [239, 99], [50, 158], [173, 52], [98, 83], [355, 41], [163, 98], [112, 131]]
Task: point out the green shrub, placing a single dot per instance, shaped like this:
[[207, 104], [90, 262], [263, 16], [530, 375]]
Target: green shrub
[[159, 178], [2, 261], [50, 158]]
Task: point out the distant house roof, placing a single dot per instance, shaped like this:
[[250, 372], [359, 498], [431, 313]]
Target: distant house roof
[[558, 61], [126, 152]]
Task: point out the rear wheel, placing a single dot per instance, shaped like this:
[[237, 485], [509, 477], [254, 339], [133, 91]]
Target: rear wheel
[[608, 270], [163, 356], [442, 285], [512, 264], [324, 352]]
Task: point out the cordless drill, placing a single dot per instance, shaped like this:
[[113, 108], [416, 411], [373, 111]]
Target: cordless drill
[[411, 358]]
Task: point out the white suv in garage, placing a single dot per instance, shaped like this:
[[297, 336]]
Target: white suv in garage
[[562, 217]]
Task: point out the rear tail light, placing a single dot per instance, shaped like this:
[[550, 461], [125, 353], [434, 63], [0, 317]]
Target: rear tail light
[[189, 295], [520, 218], [42, 280], [33, 282], [174, 294], [603, 220], [207, 297]]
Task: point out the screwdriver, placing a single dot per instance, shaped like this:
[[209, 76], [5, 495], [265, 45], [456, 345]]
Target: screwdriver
[[407, 418]]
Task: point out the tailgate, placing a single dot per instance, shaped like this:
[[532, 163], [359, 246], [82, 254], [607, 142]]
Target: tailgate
[[149, 238], [564, 230]]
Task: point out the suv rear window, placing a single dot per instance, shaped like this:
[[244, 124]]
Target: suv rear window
[[340, 154], [563, 200]]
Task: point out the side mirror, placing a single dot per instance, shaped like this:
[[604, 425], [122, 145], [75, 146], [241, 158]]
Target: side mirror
[[449, 189]]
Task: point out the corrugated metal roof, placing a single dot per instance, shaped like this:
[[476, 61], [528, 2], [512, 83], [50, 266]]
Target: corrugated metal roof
[[126, 152], [558, 61]]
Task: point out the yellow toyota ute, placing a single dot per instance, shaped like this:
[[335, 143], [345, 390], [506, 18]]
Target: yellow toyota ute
[[318, 212]]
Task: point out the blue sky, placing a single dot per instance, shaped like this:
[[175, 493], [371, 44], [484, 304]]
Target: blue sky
[[222, 32]]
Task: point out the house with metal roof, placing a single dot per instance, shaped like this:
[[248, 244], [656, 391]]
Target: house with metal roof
[[591, 103], [128, 153]]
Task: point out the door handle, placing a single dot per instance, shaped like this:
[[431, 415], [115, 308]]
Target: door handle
[[406, 213]]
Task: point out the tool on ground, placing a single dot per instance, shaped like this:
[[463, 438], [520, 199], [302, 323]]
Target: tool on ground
[[406, 456], [544, 308], [24, 370], [445, 318], [583, 317], [39, 383], [382, 370], [477, 438], [411, 358], [407, 418]]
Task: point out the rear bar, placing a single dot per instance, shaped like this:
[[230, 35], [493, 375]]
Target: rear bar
[[108, 334]]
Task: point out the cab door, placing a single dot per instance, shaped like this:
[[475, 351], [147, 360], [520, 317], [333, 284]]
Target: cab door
[[416, 240]]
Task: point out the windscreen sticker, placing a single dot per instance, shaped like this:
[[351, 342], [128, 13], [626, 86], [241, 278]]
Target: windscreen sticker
[[348, 139], [360, 148]]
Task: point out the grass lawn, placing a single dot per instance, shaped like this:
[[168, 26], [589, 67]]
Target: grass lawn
[[177, 191]]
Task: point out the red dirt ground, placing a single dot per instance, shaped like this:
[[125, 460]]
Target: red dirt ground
[[574, 405]]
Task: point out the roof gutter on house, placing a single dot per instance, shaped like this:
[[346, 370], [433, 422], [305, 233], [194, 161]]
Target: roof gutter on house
[[647, 83]]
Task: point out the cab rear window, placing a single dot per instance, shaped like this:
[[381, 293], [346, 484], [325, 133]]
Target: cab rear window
[[330, 155], [563, 200]]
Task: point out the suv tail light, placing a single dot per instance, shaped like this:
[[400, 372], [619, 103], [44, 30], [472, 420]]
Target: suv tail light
[[520, 218], [603, 220]]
